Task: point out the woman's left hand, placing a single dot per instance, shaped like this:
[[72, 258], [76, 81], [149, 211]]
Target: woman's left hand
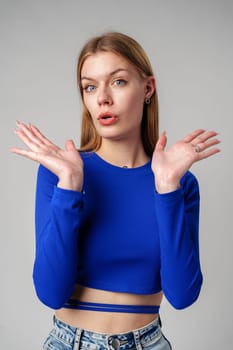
[[170, 165]]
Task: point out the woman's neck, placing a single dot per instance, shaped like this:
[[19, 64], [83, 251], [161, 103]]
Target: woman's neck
[[123, 154]]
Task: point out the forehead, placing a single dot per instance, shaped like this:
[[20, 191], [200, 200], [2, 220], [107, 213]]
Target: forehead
[[104, 63]]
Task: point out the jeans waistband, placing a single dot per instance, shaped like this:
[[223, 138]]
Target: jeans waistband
[[121, 341]]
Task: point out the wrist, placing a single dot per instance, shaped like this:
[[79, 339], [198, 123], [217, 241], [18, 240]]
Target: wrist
[[166, 187], [72, 182]]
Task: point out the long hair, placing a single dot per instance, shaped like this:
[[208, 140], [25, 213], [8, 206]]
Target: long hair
[[129, 49]]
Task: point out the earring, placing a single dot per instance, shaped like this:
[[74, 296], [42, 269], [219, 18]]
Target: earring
[[147, 100]]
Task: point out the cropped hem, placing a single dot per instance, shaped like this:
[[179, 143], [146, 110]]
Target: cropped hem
[[123, 288]]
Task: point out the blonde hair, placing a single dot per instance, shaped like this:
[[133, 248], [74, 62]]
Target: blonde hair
[[129, 49]]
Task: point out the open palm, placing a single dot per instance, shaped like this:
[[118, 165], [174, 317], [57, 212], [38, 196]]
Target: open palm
[[66, 164], [171, 164]]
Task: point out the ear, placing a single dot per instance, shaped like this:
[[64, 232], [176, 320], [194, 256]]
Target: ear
[[150, 87]]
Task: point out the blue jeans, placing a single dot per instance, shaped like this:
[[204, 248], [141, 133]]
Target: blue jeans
[[66, 337]]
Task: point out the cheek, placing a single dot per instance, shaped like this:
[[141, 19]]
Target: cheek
[[138, 94], [132, 96], [135, 102]]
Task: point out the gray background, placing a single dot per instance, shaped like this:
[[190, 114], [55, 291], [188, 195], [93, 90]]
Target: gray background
[[190, 46]]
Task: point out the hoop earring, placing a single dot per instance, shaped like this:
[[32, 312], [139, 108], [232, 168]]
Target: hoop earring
[[147, 100]]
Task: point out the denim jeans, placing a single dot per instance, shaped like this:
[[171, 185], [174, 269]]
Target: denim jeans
[[66, 337]]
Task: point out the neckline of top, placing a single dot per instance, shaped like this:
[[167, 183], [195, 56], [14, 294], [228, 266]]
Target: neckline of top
[[122, 169]]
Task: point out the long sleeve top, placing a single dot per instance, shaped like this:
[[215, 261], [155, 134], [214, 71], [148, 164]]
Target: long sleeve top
[[118, 234]]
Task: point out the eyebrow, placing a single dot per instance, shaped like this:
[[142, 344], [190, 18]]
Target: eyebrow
[[111, 74]]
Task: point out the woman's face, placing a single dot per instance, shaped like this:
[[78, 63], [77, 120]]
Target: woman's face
[[114, 94]]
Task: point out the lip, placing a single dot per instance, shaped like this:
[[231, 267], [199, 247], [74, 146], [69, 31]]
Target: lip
[[112, 118]]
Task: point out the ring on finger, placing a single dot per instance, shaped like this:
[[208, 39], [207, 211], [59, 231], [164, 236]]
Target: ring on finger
[[197, 148]]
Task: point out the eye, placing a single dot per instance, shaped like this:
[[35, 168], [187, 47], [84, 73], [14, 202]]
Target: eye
[[119, 82], [89, 88]]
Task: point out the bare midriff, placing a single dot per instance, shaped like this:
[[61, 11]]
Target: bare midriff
[[108, 322]]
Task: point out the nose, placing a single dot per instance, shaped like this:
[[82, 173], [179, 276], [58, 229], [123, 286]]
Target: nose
[[104, 96]]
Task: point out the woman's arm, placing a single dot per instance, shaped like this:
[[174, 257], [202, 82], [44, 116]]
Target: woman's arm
[[177, 210], [57, 219], [58, 206], [178, 220]]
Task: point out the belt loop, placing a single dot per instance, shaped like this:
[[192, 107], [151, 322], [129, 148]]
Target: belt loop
[[77, 338], [137, 340]]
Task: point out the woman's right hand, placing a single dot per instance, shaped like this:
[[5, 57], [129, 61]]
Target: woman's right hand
[[66, 164]]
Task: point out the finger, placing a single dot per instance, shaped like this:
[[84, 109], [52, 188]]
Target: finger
[[29, 132], [162, 141], [33, 138], [26, 134], [70, 146], [40, 136], [27, 154], [208, 153], [26, 139], [204, 137], [209, 143], [193, 135]]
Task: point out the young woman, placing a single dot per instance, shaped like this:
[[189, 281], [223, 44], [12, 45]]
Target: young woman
[[116, 221]]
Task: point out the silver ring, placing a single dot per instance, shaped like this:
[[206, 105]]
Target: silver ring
[[197, 148]]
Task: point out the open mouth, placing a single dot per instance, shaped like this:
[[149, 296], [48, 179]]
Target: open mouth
[[107, 118]]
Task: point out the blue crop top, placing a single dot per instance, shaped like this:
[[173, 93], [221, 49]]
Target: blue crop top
[[118, 234]]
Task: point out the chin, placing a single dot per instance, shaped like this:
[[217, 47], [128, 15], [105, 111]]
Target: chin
[[109, 134]]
